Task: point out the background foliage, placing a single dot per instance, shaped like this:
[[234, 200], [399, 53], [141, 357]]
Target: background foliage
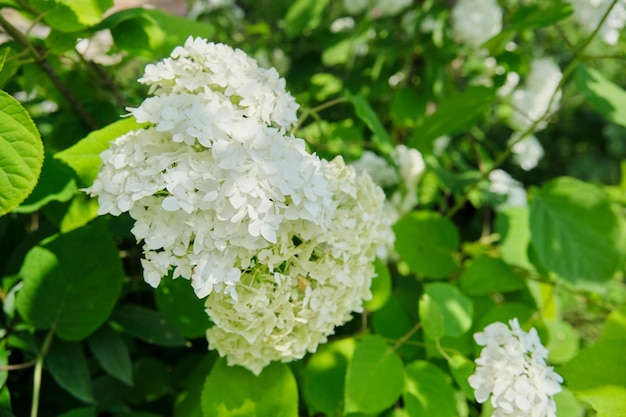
[[83, 335]]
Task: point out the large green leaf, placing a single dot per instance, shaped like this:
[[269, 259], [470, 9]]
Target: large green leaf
[[445, 311], [453, 114], [235, 391], [374, 378], [487, 275], [605, 97], [72, 15], [71, 282], [323, 377], [512, 226], [68, 366], [575, 231], [381, 287], [428, 391], [84, 156], [177, 301], [427, 243], [21, 153], [148, 325], [112, 354]]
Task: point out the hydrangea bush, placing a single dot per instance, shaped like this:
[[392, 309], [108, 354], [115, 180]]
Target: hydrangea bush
[[312, 208]]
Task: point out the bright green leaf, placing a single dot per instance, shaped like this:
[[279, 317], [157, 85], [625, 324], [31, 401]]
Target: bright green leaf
[[605, 97], [575, 231], [324, 374], [304, 15], [68, 366], [392, 321], [567, 405], [427, 243], [374, 378], [487, 275], [180, 305], [461, 368], [231, 391], [84, 156], [112, 354], [445, 311], [21, 153], [56, 183], [563, 343], [381, 287], [148, 325], [72, 15], [512, 226], [428, 391], [74, 294]]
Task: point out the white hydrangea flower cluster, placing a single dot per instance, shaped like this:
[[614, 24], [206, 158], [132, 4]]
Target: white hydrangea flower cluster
[[503, 184], [476, 21], [222, 196], [404, 180], [308, 283], [588, 13], [529, 103], [512, 370]]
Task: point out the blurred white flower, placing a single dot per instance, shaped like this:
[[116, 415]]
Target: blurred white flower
[[528, 152], [404, 181], [588, 13], [476, 21], [502, 183], [512, 371], [531, 101], [342, 24], [97, 47]]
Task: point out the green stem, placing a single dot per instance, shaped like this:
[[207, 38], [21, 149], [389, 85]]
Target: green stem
[[38, 371], [313, 111], [407, 335], [500, 159]]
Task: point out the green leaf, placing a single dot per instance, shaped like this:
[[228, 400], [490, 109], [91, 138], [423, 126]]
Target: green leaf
[[81, 412], [575, 231], [304, 15], [487, 275], [71, 282], [514, 230], [461, 368], [454, 114], [604, 96], [112, 354], [392, 321], [148, 325], [68, 366], [56, 183], [381, 287], [21, 153], [189, 401], [365, 112], [563, 343], [445, 311], [427, 243], [4, 361], [596, 375], [374, 378], [71, 15], [324, 375], [180, 305], [84, 156], [235, 391], [151, 381], [407, 107], [428, 391]]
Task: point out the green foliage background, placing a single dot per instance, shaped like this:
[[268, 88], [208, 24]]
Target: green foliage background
[[81, 333]]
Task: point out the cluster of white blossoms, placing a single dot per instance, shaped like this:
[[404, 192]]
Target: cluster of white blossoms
[[476, 21], [512, 370], [281, 241], [538, 96], [400, 181], [588, 13], [513, 191]]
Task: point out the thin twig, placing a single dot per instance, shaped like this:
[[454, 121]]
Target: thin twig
[[407, 335], [44, 64], [38, 371]]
